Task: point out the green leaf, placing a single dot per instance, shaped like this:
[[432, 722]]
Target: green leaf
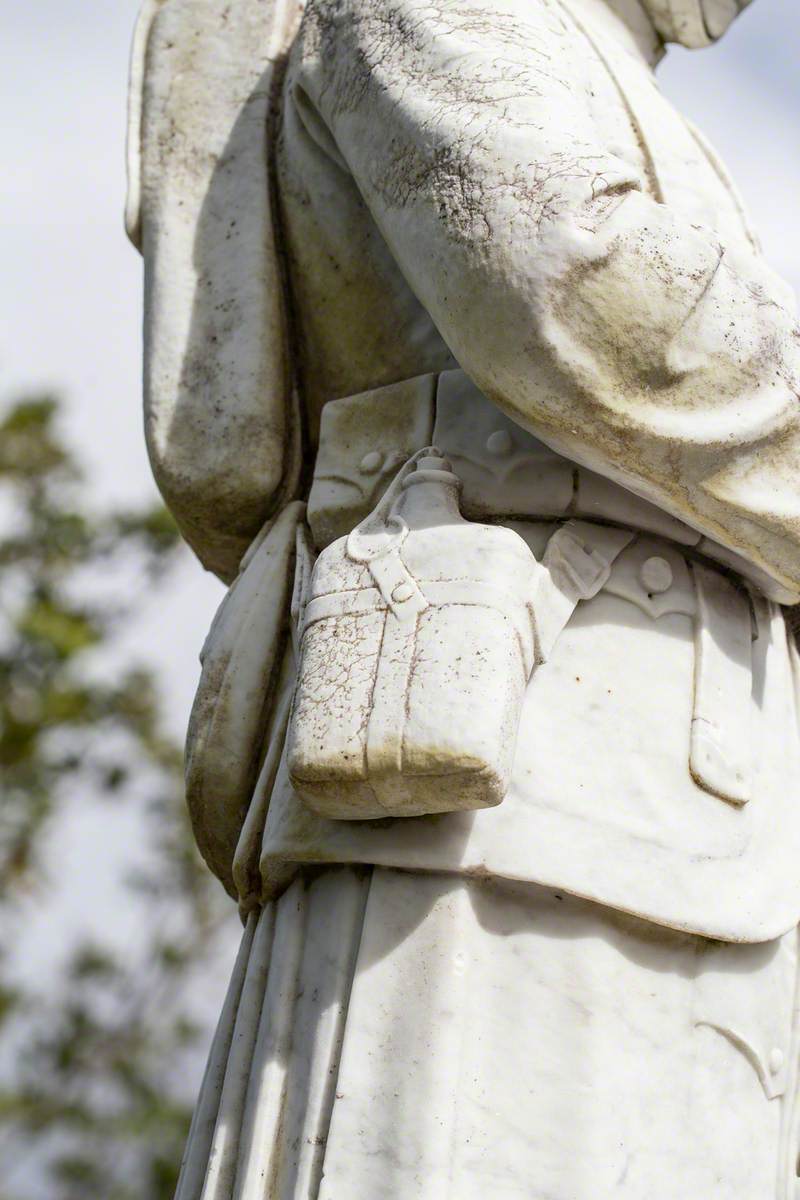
[[64, 631]]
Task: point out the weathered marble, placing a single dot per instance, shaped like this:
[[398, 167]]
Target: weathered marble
[[464, 368], [462, 1037]]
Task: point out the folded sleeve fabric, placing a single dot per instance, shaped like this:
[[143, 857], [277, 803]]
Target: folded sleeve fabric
[[603, 321]]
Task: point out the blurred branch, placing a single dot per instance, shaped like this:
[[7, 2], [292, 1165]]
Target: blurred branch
[[93, 1099]]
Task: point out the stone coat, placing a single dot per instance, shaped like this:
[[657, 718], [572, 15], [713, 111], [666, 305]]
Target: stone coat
[[504, 190], [506, 185]]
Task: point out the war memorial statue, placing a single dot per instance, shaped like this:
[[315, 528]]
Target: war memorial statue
[[464, 370]]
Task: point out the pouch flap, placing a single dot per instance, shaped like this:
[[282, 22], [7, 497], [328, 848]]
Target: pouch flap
[[746, 994], [721, 756], [240, 662]]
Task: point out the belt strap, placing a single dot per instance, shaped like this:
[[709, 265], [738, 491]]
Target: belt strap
[[577, 563]]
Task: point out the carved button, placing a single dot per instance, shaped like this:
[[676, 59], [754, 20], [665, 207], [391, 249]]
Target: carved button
[[655, 575], [371, 462], [403, 591], [499, 443], [775, 1060]]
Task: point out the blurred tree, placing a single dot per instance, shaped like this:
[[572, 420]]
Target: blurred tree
[[92, 1098]]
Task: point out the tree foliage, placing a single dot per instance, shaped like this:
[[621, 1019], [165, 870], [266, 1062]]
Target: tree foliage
[[92, 1094]]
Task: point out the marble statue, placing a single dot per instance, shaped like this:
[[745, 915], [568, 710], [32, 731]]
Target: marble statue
[[464, 370]]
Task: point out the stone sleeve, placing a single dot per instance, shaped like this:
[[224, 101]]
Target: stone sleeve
[[596, 317], [222, 433]]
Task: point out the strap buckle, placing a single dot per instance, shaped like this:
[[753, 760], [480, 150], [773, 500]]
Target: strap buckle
[[578, 567]]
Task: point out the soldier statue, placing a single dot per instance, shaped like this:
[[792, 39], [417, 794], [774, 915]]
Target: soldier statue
[[465, 372]]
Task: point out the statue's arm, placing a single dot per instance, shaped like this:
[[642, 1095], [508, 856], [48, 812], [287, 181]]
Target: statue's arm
[[221, 431], [595, 316]]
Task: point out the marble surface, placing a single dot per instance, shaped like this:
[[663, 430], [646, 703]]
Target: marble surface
[[463, 364], [373, 1044]]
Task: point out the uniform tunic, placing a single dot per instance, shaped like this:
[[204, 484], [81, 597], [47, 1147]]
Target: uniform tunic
[[590, 991]]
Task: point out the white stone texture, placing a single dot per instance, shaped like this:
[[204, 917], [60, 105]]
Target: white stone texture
[[428, 1038], [496, 238]]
